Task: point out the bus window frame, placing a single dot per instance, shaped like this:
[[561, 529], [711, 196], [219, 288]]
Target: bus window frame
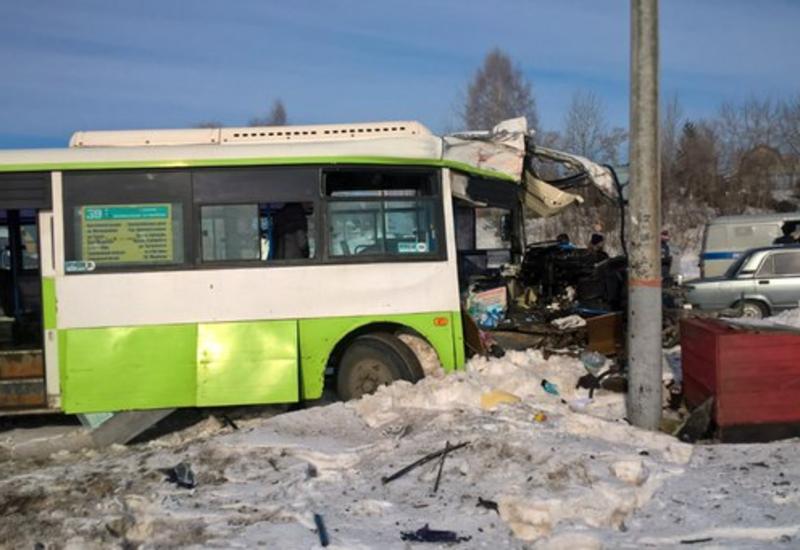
[[80, 198], [436, 198]]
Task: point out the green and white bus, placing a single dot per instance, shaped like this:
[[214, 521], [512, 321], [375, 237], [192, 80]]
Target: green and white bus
[[158, 269]]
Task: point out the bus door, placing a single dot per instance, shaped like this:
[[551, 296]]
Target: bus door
[[22, 380]]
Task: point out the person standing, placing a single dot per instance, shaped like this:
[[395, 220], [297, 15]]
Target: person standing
[[787, 238]]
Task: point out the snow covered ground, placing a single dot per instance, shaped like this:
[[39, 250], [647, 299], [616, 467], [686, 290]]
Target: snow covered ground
[[563, 472]]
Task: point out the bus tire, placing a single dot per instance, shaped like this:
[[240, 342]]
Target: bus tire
[[373, 360]]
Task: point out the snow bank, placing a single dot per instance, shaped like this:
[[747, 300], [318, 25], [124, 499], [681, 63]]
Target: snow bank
[[789, 319], [533, 471]]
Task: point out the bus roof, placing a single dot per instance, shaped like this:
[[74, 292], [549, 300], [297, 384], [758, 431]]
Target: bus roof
[[398, 142]]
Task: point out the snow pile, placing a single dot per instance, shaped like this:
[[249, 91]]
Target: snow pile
[[520, 373], [789, 319], [533, 471]]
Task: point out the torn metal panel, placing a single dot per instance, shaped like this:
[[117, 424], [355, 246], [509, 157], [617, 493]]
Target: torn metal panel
[[598, 175], [458, 188], [501, 150], [544, 200], [508, 150]]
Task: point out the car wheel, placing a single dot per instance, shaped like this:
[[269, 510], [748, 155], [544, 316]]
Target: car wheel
[[753, 310], [375, 360]]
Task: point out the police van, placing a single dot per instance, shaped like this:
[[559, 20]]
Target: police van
[[725, 238]]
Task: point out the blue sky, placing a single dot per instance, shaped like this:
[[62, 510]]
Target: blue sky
[[96, 64]]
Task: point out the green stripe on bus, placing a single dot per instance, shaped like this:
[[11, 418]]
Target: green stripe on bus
[[209, 364], [263, 161], [49, 302]]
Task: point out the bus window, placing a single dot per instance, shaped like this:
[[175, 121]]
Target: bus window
[[257, 232], [30, 246], [126, 219], [382, 213]]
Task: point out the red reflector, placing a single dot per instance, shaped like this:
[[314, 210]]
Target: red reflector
[[440, 321]]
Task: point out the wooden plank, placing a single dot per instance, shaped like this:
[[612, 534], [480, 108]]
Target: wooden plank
[[21, 364], [22, 393]]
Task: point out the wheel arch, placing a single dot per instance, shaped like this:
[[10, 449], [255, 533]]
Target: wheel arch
[[759, 298], [371, 327], [323, 341]]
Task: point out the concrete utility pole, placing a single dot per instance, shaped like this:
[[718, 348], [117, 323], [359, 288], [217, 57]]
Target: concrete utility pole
[[644, 271]]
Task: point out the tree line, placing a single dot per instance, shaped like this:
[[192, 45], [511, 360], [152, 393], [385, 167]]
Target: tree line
[[731, 162]]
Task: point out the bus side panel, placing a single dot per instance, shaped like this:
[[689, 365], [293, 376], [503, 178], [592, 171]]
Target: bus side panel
[[318, 337], [246, 363], [113, 369]]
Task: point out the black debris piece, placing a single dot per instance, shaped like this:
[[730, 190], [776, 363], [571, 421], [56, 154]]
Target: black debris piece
[[228, 421], [425, 459], [181, 475], [324, 540], [426, 534], [441, 466], [697, 541], [488, 504], [698, 424]]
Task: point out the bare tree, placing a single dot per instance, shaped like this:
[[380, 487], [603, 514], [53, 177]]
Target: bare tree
[[671, 122], [498, 91], [586, 131], [276, 116]]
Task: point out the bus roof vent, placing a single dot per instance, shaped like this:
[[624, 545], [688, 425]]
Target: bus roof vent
[[326, 132], [248, 135], [142, 138]]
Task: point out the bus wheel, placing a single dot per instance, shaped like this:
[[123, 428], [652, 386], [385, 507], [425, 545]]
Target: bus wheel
[[374, 360]]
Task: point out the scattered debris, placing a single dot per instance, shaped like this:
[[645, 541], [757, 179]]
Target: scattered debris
[[426, 534], [697, 541], [441, 466], [228, 421], [324, 540], [425, 459], [549, 387], [570, 321], [491, 399], [697, 423], [488, 504], [181, 475]]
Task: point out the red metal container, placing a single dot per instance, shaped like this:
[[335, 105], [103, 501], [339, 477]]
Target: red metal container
[[753, 375]]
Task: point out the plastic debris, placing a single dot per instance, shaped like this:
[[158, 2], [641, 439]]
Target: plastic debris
[[488, 308], [181, 475], [540, 417], [593, 361], [570, 321], [426, 534], [549, 387], [491, 399]]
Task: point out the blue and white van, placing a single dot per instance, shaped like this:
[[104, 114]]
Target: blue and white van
[[727, 237]]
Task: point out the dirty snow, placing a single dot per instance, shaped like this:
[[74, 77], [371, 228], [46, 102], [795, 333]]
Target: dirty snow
[[789, 319], [560, 478]]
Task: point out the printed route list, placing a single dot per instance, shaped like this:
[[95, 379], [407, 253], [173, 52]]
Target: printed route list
[[127, 234]]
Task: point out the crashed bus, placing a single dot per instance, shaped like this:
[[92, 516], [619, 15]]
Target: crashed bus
[[156, 269]]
